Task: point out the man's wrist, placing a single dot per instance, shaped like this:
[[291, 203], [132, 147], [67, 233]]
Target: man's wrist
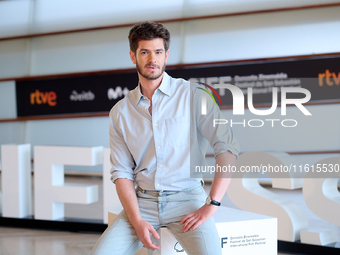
[[135, 219], [210, 201]]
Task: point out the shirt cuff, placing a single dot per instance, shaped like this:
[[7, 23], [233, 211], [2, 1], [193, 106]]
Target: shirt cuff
[[121, 174], [221, 148]]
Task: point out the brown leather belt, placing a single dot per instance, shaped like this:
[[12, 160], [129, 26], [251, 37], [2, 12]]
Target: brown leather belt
[[157, 192]]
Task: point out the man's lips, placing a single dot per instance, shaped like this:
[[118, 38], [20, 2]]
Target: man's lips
[[152, 67]]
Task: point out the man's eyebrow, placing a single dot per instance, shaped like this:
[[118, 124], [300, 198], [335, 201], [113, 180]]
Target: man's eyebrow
[[149, 50]]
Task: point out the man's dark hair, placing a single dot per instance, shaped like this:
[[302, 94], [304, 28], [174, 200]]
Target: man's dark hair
[[148, 31]]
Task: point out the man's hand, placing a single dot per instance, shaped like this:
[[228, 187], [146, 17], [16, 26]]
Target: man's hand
[[143, 230], [127, 195], [193, 220]]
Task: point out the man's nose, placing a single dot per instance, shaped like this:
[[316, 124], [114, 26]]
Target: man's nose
[[152, 58]]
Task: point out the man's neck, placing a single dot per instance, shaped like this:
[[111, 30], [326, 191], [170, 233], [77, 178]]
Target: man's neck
[[148, 87]]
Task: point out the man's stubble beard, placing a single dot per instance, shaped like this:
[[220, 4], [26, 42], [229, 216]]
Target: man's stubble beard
[[152, 76]]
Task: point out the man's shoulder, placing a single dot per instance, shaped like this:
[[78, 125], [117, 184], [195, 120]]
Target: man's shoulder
[[179, 84], [193, 88], [183, 83], [122, 104], [178, 81]]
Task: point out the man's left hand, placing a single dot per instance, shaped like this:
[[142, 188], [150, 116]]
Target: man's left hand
[[193, 220]]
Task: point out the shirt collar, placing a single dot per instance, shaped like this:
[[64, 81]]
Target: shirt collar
[[165, 88]]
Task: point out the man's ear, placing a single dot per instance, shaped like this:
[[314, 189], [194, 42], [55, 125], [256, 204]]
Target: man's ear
[[166, 56], [132, 56]]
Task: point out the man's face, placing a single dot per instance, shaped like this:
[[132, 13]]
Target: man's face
[[150, 58]]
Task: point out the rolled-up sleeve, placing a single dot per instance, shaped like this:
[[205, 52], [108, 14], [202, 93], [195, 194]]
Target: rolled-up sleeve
[[122, 163], [220, 137]]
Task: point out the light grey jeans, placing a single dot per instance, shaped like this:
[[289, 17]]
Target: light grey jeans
[[165, 210]]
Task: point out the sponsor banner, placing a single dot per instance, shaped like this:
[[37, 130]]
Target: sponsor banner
[[86, 94], [98, 93], [320, 76]]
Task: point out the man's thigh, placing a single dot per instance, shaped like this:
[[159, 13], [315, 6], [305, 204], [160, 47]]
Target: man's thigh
[[119, 238], [202, 241]]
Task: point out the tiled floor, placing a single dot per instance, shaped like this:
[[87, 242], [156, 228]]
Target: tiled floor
[[16, 241]]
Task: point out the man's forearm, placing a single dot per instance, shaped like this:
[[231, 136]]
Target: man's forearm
[[218, 189], [127, 196], [222, 179]]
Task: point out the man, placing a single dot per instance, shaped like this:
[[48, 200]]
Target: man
[[156, 134]]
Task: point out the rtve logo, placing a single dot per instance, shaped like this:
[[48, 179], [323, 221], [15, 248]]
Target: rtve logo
[[328, 75], [38, 97]]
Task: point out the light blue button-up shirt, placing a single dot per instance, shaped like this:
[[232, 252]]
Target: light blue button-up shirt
[[159, 151]]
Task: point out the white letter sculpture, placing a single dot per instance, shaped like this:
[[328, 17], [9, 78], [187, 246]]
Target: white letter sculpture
[[247, 194], [16, 180], [50, 190]]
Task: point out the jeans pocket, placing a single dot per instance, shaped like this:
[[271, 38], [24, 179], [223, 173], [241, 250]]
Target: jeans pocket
[[196, 191]]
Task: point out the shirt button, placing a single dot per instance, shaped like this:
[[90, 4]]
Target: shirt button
[[157, 184], [160, 165], [158, 147], [155, 124]]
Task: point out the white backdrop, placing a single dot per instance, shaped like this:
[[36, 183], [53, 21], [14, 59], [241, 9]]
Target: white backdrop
[[299, 32]]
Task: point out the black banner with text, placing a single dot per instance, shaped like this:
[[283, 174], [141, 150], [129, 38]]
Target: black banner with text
[[98, 93]]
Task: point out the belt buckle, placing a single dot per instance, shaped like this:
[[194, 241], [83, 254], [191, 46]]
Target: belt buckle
[[142, 190]]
